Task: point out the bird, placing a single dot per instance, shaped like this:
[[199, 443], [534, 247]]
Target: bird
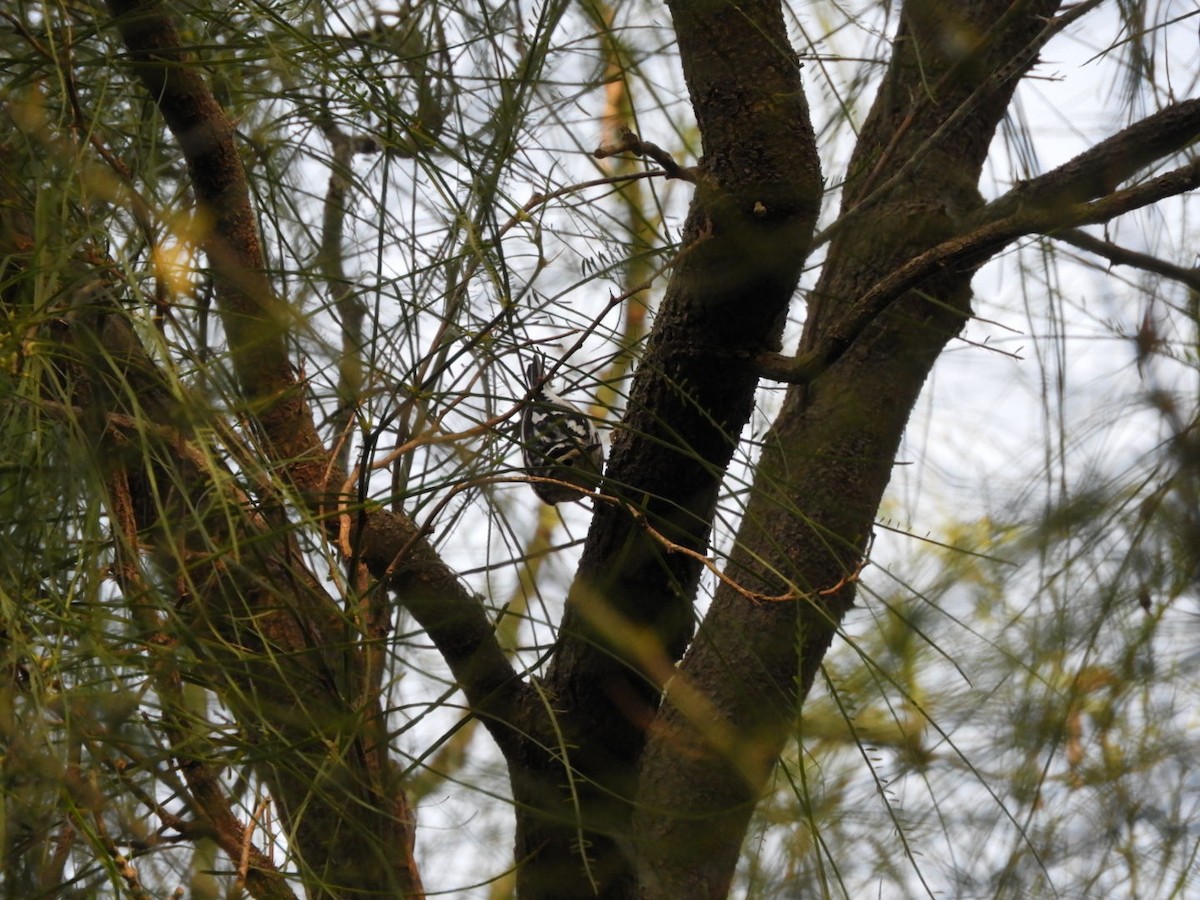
[[558, 441]]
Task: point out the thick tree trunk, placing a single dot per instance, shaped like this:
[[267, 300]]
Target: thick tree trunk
[[287, 659], [629, 614], [252, 624], [828, 458]]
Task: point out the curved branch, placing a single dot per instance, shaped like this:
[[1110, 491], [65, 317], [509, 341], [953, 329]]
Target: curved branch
[[1100, 169], [1122, 256], [968, 251], [256, 323], [1013, 69]]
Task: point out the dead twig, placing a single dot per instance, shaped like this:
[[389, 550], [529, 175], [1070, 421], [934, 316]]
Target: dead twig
[[628, 142]]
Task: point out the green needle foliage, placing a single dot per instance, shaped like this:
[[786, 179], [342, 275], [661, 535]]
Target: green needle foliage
[[888, 314]]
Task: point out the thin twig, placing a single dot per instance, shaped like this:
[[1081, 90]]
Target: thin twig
[[709, 563], [628, 142]]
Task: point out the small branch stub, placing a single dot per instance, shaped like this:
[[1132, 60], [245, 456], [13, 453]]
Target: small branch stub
[[629, 142]]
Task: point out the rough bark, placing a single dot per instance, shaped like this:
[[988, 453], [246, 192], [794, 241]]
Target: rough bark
[[629, 611], [272, 618], [251, 623], [828, 457]]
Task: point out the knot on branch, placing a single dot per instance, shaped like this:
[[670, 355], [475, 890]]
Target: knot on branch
[[628, 142]]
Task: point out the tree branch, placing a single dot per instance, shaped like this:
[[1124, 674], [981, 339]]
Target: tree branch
[[256, 323], [628, 142], [1038, 214], [970, 250], [1100, 169], [1000, 79], [1122, 256]]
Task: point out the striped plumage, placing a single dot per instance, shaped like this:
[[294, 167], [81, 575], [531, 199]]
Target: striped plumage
[[558, 441]]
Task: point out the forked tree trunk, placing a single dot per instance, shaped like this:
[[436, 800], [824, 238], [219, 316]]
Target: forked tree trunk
[[829, 455]]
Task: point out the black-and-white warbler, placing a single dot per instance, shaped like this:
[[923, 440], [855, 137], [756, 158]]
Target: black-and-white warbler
[[558, 441]]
